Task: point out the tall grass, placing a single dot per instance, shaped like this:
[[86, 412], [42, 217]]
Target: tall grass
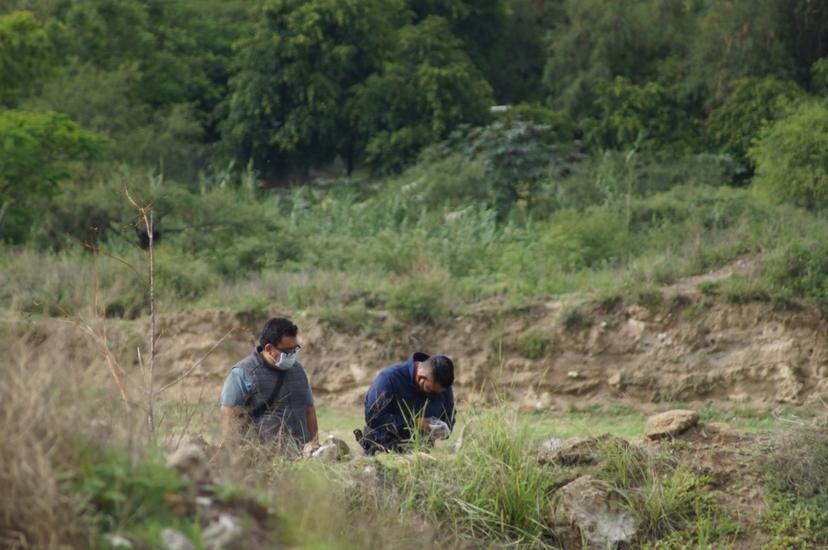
[[54, 413], [421, 245]]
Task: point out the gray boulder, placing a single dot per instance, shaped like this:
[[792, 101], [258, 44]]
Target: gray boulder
[[590, 511]]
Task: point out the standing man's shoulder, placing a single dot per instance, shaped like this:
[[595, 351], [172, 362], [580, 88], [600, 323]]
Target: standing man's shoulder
[[247, 362], [300, 370]]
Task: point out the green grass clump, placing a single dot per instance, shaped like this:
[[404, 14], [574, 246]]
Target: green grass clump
[[131, 496], [794, 522], [796, 477], [492, 489], [419, 301], [533, 343]]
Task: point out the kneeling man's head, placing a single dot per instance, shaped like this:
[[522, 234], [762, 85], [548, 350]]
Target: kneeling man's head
[[435, 374]]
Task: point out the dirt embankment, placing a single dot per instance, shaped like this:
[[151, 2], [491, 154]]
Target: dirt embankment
[[690, 349]]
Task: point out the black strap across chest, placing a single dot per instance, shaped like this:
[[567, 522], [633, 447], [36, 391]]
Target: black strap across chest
[[268, 403]]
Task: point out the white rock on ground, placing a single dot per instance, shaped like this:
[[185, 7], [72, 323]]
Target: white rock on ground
[[224, 533], [116, 540], [175, 540], [597, 513]]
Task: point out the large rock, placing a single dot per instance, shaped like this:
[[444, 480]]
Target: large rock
[[670, 423], [578, 450], [591, 511]]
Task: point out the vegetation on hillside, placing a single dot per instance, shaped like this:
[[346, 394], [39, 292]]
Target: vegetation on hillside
[[343, 157], [284, 144]]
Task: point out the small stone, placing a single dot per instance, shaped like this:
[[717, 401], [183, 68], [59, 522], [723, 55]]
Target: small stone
[[204, 502], [670, 423], [175, 540], [223, 533], [331, 450], [191, 461], [573, 374], [117, 540], [325, 453]]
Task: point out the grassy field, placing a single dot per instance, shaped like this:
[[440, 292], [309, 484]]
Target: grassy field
[[621, 420], [592, 421]]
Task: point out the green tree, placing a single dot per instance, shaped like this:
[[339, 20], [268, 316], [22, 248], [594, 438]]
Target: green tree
[[478, 23], [734, 125], [646, 115], [819, 77], [37, 151], [292, 103], [516, 59], [791, 158], [427, 87], [26, 55], [757, 38], [181, 51], [598, 40]]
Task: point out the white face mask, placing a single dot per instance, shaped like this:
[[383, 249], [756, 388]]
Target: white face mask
[[286, 360]]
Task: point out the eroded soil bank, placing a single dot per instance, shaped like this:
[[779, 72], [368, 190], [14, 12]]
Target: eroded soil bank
[[687, 349]]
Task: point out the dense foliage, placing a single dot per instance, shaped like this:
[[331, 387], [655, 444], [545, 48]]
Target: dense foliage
[[625, 127]]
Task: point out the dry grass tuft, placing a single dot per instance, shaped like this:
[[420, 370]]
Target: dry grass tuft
[[53, 411]]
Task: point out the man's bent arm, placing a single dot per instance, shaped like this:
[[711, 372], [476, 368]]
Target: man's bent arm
[[313, 425], [231, 423]]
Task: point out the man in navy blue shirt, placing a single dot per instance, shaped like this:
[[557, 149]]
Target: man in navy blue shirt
[[406, 399]]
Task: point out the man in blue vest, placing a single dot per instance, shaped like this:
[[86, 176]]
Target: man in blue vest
[[267, 395], [407, 400]]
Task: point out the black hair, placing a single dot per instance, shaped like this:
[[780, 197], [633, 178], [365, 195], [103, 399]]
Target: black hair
[[276, 329], [442, 369]]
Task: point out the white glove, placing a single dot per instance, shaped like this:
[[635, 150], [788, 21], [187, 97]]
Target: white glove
[[437, 429]]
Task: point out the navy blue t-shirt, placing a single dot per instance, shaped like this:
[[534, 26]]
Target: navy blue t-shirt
[[395, 399]]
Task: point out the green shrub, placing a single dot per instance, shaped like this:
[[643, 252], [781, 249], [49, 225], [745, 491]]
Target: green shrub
[[798, 462], [589, 239], [533, 343], [242, 256], [516, 154], [182, 277], [632, 115], [796, 473], [574, 318], [791, 158], [819, 77], [614, 177], [353, 318], [754, 102], [799, 270], [119, 491], [419, 301], [252, 309], [491, 489], [39, 150], [795, 522]]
